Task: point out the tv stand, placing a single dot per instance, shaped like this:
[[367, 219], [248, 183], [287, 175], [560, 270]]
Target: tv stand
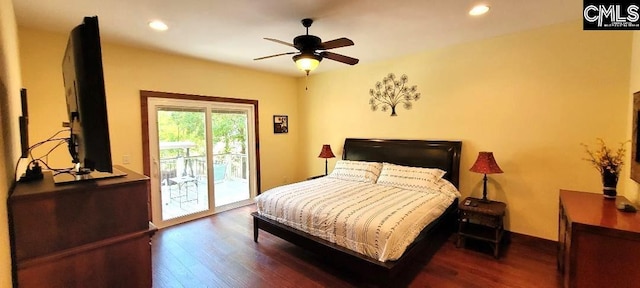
[[84, 175], [84, 234]]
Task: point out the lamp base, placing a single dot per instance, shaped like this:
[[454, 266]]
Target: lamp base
[[326, 167], [484, 190]]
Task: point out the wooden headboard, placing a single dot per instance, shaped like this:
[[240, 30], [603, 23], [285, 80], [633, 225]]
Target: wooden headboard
[[443, 155]]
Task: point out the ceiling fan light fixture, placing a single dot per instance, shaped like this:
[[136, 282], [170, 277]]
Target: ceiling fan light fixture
[[307, 62]]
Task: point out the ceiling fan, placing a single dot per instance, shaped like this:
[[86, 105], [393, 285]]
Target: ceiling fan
[[311, 50]]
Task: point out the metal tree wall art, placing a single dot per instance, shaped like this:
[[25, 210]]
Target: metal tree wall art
[[391, 92]]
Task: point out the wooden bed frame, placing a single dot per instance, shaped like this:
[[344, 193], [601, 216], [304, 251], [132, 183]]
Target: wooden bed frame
[[444, 155]]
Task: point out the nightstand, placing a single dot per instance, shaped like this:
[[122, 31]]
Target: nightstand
[[482, 221]]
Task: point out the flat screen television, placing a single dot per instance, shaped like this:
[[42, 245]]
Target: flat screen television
[[89, 144]]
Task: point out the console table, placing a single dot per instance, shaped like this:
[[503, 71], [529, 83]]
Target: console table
[[88, 234], [598, 245]]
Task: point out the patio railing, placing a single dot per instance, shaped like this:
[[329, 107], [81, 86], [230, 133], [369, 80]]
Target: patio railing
[[225, 167]]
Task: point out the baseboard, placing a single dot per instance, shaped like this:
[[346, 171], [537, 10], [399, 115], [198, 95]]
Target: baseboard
[[531, 240]]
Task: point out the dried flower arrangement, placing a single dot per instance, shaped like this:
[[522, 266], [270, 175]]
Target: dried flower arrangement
[[604, 159]]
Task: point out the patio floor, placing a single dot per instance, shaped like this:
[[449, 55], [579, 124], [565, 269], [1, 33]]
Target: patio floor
[[191, 196]]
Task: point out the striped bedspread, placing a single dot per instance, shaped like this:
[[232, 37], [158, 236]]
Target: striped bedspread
[[371, 219]]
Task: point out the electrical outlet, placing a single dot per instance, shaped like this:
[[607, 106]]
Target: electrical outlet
[[125, 159]]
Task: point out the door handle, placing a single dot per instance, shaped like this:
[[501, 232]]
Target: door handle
[[154, 170]]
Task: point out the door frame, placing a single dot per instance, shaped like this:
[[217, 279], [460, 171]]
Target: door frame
[[144, 103]]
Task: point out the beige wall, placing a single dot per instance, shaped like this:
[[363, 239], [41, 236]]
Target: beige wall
[[530, 97], [9, 111], [129, 70]]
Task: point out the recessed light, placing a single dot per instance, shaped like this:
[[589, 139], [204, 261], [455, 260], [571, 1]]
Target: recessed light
[[158, 25], [479, 10]]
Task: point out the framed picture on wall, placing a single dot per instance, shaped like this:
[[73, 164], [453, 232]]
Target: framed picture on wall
[[280, 124], [635, 138]]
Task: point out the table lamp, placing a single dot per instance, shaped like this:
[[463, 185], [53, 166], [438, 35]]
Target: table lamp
[[326, 153], [485, 164]]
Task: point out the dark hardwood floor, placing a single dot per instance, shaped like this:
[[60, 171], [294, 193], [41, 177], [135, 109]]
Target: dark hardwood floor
[[219, 251]]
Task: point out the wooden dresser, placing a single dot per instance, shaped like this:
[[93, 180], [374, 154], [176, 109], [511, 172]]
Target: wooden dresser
[[598, 245], [87, 234]]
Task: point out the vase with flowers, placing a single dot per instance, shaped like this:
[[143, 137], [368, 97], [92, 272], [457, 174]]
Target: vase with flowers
[[608, 163]]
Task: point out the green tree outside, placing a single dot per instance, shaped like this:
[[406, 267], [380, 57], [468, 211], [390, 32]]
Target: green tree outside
[[229, 131]]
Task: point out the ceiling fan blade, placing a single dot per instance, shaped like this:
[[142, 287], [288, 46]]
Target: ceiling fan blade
[[337, 43], [339, 58], [265, 57], [279, 41]]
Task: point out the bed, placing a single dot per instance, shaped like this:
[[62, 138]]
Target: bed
[[444, 155]]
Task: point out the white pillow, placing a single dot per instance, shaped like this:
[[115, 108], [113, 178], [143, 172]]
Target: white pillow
[[411, 178], [360, 171]]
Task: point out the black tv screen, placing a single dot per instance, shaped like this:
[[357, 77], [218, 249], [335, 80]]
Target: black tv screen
[[89, 143]]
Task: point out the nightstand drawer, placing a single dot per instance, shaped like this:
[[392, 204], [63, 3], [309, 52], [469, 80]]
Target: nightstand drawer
[[481, 219]]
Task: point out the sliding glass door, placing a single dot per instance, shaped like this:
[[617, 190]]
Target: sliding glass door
[[203, 158], [230, 156]]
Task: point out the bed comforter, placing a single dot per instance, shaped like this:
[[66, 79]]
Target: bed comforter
[[372, 219]]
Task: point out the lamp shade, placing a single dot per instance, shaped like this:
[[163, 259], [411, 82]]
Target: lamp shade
[[326, 152], [307, 62], [485, 164]]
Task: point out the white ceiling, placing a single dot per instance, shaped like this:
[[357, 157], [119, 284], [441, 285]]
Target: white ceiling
[[233, 31]]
